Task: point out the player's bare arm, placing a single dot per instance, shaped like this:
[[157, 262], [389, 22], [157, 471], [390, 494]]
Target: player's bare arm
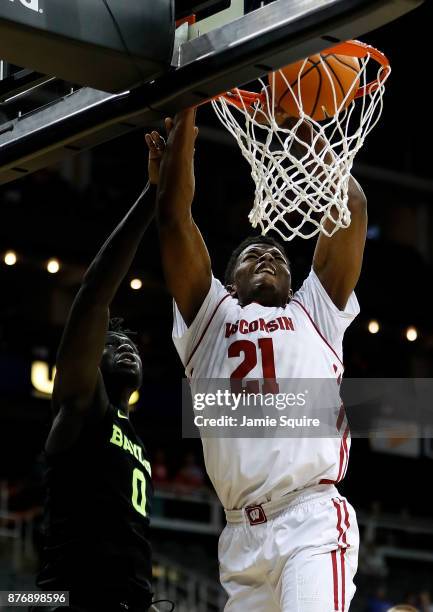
[[337, 260], [185, 258], [78, 386]]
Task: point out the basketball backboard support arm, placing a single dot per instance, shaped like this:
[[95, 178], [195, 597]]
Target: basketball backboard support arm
[[228, 56]]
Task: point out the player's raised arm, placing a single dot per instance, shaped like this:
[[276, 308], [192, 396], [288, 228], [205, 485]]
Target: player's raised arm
[[83, 339], [185, 258], [338, 260]]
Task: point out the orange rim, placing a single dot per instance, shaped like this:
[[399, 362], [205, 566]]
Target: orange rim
[[242, 97], [238, 97], [356, 48], [353, 48]]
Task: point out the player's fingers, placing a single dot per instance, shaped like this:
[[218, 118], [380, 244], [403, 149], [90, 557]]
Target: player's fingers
[[158, 141], [150, 143], [168, 122], [185, 118]]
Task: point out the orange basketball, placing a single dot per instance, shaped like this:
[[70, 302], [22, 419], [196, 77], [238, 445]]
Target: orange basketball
[[313, 89]]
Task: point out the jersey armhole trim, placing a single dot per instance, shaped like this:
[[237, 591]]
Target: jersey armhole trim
[[328, 301], [206, 328], [317, 329]]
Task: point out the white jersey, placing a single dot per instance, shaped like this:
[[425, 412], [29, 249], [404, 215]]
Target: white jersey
[[305, 338]]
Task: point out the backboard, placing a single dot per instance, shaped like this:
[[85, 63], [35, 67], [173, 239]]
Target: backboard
[[238, 44]]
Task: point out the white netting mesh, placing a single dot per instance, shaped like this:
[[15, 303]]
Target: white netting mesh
[[301, 171]]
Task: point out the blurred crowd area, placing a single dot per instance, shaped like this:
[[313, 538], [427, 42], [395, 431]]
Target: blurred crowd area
[[380, 601], [395, 559], [382, 581]]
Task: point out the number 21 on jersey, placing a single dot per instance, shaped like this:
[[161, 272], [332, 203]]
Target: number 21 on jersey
[[250, 351]]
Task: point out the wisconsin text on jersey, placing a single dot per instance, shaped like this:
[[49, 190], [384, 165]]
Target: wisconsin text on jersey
[[245, 327], [120, 439]]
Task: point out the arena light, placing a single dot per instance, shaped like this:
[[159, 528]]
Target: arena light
[[41, 379], [53, 266], [136, 284], [134, 398], [10, 258], [158, 571], [373, 326], [411, 333]]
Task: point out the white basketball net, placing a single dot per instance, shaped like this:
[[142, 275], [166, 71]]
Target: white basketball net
[[304, 195]]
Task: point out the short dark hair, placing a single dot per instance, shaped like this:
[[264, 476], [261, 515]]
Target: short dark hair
[[228, 276], [115, 326]]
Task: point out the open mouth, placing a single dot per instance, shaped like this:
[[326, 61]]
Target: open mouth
[[265, 269], [127, 358]]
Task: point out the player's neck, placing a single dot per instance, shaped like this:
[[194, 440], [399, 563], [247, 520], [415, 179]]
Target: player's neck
[[267, 301], [120, 398]]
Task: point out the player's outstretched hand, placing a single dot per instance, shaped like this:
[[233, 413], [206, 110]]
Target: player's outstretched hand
[[156, 145], [176, 181], [182, 130]]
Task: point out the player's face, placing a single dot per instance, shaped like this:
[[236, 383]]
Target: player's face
[[262, 274], [121, 361]]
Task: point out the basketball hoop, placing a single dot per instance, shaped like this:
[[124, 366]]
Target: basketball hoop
[[301, 194]]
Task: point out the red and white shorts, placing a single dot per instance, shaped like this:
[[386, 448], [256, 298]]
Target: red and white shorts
[[299, 554]]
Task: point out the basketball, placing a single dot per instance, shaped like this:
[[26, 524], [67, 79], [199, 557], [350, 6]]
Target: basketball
[[313, 83]]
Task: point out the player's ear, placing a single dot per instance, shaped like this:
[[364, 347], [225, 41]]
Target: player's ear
[[290, 295]]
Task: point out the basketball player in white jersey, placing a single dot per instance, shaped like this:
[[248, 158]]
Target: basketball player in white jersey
[[291, 541]]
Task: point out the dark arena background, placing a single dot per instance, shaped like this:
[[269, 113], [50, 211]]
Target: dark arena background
[[52, 223]]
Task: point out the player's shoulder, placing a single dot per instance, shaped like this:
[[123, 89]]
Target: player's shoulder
[[312, 295], [311, 282], [72, 428], [219, 291], [218, 302]]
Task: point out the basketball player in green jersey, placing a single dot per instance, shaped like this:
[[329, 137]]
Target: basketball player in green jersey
[[98, 475]]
